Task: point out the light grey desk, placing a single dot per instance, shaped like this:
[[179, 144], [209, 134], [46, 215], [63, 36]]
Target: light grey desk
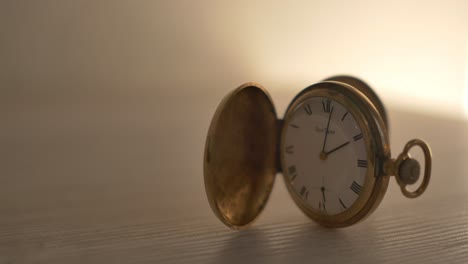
[[119, 180]]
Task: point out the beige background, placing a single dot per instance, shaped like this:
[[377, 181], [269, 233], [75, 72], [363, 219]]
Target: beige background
[[414, 52], [104, 108]]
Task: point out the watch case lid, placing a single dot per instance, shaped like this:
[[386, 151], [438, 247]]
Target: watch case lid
[[240, 155]]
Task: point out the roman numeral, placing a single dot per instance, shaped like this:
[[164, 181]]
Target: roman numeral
[[326, 106], [293, 177], [308, 109], [295, 126], [342, 204], [344, 116], [290, 149], [292, 169], [357, 137], [362, 163], [356, 188], [322, 207], [304, 192], [292, 172]]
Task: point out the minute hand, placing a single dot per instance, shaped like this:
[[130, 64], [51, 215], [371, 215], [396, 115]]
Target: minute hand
[[337, 148], [326, 131]]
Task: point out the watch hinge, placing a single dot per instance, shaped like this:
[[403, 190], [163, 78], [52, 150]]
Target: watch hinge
[[279, 128]]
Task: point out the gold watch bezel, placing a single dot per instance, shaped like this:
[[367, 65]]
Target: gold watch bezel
[[375, 134]]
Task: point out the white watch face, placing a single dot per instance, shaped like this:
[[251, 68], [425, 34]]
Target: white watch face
[[324, 155]]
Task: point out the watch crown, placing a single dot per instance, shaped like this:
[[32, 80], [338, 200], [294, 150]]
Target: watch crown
[[409, 171]]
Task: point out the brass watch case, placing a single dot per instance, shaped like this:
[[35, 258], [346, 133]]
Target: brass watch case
[[245, 145]]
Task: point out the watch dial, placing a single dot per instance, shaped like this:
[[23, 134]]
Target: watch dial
[[324, 155]]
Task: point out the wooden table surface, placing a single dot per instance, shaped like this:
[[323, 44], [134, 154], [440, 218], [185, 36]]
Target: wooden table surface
[[120, 181]]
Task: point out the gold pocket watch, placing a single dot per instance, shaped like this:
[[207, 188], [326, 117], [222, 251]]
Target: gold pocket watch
[[332, 148]]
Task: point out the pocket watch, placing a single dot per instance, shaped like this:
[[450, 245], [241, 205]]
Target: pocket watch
[[332, 148]]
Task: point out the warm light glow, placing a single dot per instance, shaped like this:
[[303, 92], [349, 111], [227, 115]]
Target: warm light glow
[[414, 56], [465, 97]]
